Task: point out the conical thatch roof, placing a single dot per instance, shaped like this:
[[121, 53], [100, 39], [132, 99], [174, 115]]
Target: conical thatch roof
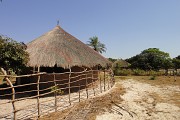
[[57, 47]]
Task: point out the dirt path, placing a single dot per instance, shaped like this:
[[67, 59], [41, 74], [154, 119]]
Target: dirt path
[[128, 100], [144, 101]]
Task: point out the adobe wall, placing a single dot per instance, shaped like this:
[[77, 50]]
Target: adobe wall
[[62, 80]]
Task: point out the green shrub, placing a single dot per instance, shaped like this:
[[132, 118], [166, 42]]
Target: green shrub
[[57, 90], [139, 72], [152, 77], [122, 72]]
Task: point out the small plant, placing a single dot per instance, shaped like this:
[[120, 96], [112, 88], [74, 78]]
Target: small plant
[[152, 77], [57, 90]]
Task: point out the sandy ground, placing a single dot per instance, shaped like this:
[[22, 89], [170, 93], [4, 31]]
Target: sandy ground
[[28, 107], [143, 101], [129, 99]]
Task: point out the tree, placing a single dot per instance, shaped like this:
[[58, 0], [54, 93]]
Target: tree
[[96, 44], [176, 62], [151, 59], [12, 54]]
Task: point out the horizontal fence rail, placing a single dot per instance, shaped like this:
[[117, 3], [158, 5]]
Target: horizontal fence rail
[[43, 93]]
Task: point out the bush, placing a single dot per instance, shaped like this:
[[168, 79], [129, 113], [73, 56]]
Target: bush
[[152, 77], [139, 72], [122, 72], [56, 89]]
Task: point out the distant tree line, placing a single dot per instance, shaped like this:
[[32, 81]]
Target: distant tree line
[[152, 59]]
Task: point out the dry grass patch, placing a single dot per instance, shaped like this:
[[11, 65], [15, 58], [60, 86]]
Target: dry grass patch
[[159, 80], [88, 109], [164, 82]]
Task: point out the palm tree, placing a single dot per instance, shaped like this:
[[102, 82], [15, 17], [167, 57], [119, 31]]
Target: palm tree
[[96, 44]]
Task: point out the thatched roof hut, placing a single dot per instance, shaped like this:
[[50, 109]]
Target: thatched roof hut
[[121, 63], [57, 47]]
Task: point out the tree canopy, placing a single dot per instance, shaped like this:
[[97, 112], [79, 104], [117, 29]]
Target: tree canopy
[[96, 44], [12, 54], [151, 59], [176, 62]]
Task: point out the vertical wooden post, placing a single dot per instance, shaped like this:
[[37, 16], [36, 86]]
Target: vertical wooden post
[[13, 94], [108, 79], [174, 76], [55, 92], [112, 80], [100, 81], [13, 98], [86, 86], [38, 104], [69, 85], [104, 80], [92, 80]]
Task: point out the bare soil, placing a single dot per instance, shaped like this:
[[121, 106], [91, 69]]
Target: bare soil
[[132, 98], [89, 109]]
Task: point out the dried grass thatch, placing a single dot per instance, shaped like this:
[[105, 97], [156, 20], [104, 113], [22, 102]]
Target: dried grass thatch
[[57, 47], [121, 63]]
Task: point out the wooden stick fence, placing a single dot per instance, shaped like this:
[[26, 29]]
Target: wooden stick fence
[[51, 94], [38, 104]]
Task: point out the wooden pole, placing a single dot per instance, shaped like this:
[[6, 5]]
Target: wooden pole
[[13, 98], [92, 80], [100, 81], [13, 94], [104, 80], [55, 92], [69, 84], [174, 76], [86, 86], [108, 79], [38, 104], [112, 80]]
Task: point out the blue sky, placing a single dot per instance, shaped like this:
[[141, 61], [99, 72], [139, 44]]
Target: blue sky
[[126, 27]]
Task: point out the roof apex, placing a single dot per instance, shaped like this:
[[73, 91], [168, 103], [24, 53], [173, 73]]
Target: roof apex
[[58, 47]]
